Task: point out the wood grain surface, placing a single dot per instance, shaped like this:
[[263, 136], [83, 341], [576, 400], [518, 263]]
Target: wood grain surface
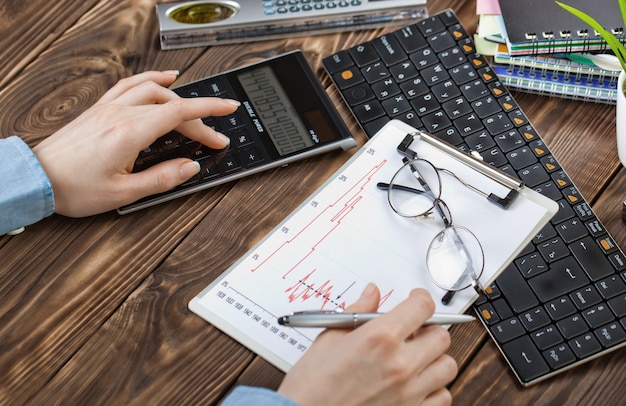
[[94, 311]]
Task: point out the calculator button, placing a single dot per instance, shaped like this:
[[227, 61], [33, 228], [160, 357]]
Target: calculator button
[[242, 138], [230, 163], [251, 156], [232, 122]]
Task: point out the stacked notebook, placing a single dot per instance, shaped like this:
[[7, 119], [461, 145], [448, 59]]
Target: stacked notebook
[[547, 50]]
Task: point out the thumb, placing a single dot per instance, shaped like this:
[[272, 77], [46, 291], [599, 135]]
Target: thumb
[[368, 301], [160, 178]]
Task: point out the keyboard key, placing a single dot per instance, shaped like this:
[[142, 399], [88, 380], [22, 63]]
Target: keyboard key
[[363, 54], [585, 345], [597, 315], [559, 356], [488, 313], [564, 276], [572, 326], [441, 41], [611, 334], [525, 358], [410, 39], [430, 26], [508, 330], [516, 290], [389, 49], [618, 305], [585, 297], [591, 258], [553, 250], [546, 337], [571, 230], [369, 111], [535, 318], [611, 286], [338, 62], [560, 308]]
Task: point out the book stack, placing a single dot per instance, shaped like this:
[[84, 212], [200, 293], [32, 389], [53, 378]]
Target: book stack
[[546, 50]]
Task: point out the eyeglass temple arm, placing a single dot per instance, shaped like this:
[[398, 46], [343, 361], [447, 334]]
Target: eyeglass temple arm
[[513, 184]]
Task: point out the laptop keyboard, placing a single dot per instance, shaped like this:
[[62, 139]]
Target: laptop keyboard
[[563, 300]]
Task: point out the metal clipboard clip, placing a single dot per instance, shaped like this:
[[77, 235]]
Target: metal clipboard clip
[[514, 185]]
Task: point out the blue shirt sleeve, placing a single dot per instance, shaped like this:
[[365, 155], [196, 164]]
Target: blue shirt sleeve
[[25, 190], [248, 395]]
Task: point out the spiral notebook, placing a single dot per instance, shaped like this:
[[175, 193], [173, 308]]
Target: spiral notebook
[[558, 75], [542, 26], [346, 235]]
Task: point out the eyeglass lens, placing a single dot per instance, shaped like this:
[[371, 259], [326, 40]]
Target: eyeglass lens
[[414, 189], [454, 258]]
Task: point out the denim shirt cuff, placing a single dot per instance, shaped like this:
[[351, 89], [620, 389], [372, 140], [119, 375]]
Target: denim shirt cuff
[[26, 194]]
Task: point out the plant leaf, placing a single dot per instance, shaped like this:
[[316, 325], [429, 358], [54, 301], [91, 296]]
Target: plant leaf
[[616, 46]]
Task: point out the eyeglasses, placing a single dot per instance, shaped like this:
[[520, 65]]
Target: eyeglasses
[[455, 258]]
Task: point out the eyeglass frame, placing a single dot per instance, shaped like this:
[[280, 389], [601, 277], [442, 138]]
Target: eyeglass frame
[[440, 204]]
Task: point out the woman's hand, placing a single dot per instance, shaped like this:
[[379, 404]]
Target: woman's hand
[[391, 360], [90, 161]]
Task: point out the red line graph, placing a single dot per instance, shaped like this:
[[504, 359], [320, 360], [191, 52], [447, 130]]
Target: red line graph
[[323, 224]]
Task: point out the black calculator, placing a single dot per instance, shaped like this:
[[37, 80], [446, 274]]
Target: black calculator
[[285, 115]]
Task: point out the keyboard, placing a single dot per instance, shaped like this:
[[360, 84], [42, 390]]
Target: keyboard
[[563, 300]]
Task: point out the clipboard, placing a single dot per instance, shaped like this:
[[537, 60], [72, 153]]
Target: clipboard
[[346, 235]]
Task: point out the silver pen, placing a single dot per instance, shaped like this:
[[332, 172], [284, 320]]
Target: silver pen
[[332, 319]]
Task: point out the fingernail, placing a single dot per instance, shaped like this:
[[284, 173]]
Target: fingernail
[[369, 290], [225, 139], [174, 72], [233, 102], [188, 169]]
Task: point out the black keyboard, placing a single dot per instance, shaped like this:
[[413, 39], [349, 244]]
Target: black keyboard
[[563, 300]]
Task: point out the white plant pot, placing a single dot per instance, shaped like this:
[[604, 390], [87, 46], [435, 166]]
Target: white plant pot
[[620, 119]]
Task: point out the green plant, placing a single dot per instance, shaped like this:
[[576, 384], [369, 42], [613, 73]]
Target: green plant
[[612, 40]]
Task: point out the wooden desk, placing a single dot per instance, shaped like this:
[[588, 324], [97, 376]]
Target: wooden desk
[[94, 311]]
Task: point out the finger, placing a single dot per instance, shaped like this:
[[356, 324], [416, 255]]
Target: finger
[[368, 301], [198, 131], [164, 78], [404, 319], [440, 397], [438, 374], [157, 179], [435, 338]]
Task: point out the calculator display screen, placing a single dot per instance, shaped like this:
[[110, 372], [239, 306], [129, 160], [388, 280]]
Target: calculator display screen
[[275, 110]]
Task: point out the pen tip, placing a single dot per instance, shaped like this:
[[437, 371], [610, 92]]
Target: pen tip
[[281, 320]]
